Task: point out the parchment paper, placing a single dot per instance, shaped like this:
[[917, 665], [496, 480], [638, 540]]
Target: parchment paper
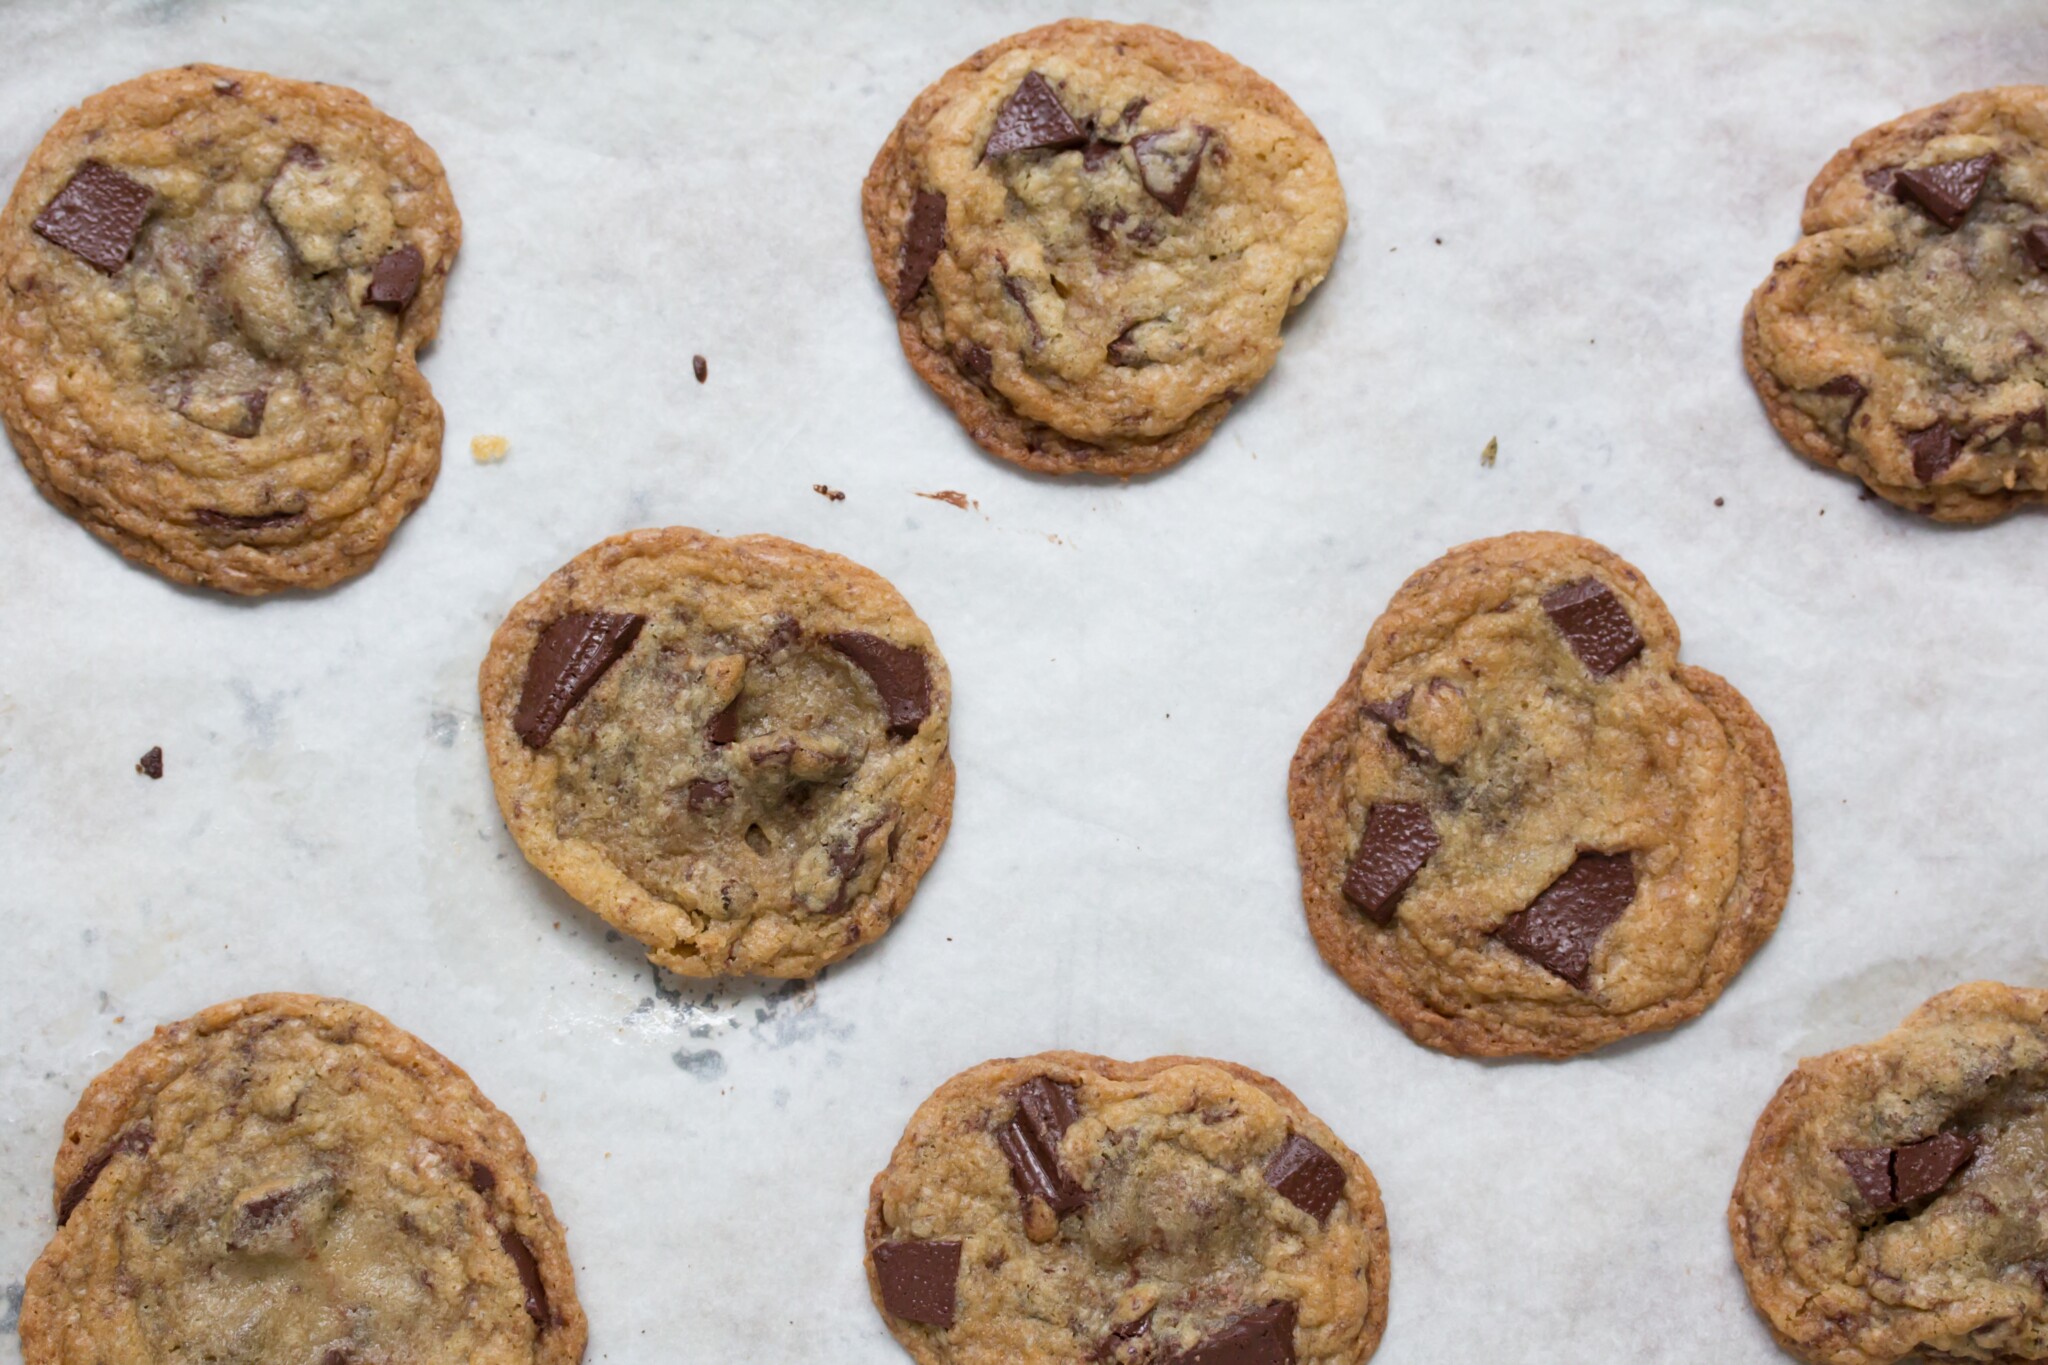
[[1133, 664]]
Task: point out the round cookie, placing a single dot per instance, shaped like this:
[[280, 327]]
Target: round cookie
[[733, 750], [1092, 233], [1901, 339], [216, 284], [1524, 827], [1177, 1211], [290, 1178], [1889, 1207]]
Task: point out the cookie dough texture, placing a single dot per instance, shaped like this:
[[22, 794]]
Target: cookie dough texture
[[1074, 319], [227, 405], [1470, 710], [1176, 1233], [736, 792], [1959, 1272], [289, 1178], [1906, 351]]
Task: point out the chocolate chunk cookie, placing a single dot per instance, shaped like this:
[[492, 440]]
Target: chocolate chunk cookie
[[733, 750], [287, 1178], [1177, 1211], [1524, 826], [216, 283], [1091, 233], [1890, 1206], [1901, 339]]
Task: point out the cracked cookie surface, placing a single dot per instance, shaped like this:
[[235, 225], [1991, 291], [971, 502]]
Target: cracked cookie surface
[[1523, 826], [1092, 233], [1902, 339], [1891, 1204], [733, 750], [1177, 1211], [290, 1178], [216, 283]]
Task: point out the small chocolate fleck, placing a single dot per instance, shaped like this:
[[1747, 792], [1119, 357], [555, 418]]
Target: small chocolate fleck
[[1264, 1336], [1561, 927], [923, 239], [919, 1280], [214, 519], [899, 674], [96, 216], [1934, 449], [1307, 1177], [1595, 625], [152, 763], [1121, 1333], [396, 278], [2035, 240], [529, 1275], [1031, 1142], [131, 1142], [303, 154], [707, 793], [1398, 839], [700, 367], [567, 660], [1032, 117], [1946, 191], [1922, 1168]]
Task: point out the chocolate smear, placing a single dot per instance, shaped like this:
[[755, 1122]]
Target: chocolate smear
[[396, 278], [1398, 839], [569, 658], [1307, 1177], [1934, 449], [96, 216], [1595, 625], [1264, 1336], [152, 763], [2035, 240], [1031, 1143], [1561, 927], [1031, 118], [1122, 1333], [131, 1142], [918, 1280], [899, 674], [1946, 191], [923, 238]]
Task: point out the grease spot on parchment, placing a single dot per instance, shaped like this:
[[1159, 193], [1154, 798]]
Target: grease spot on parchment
[[12, 1320], [776, 1014], [705, 1065]]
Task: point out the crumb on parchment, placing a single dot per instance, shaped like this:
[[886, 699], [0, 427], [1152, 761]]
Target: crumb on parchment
[[952, 498], [488, 449], [825, 492], [1491, 453]]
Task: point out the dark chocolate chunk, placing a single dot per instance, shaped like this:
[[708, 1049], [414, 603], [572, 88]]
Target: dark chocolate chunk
[[724, 727], [1032, 117], [529, 1275], [919, 1280], [130, 1142], [1561, 927], [2035, 240], [1264, 1336], [700, 367], [1595, 625], [217, 520], [1922, 1168], [1871, 1169], [96, 216], [1398, 839], [1390, 712], [1845, 386], [1946, 191], [1031, 1142], [396, 278], [899, 674], [481, 1178], [569, 658], [976, 361], [152, 763], [923, 239], [1883, 180], [1307, 1177], [1168, 164], [1934, 449], [846, 858], [706, 794], [1121, 1333]]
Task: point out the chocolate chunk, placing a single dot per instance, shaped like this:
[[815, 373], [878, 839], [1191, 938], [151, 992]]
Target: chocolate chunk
[[976, 361], [303, 154], [1264, 1336], [700, 367], [1398, 839], [96, 216], [1871, 1169], [1391, 712], [1168, 164], [1032, 117], [846, 857], [923, 238], [1120, 1334], [706, 794], [571, 655], [724, 727], [152, 763], [1098, 150], [396, 278], [217, 520], [1561, 927], [529, 1275], [1126, 350], [131, 1142], [899, 674], [1922, 1168], [1031, 1143], [1934, 449], [1595, 625], [2035, 240], [481, 1178], [1946, 191], [1307, 1177], [918, 1280], [1883, 180], [1845, 386]]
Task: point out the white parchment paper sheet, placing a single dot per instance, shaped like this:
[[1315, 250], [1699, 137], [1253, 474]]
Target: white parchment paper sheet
[[1133, 665]]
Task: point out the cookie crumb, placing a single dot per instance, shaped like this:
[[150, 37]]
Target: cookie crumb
[[822, 491], [1491, 453], [151, 764], [956, 499], [488, 449], [1720, 502], [699, 368]]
